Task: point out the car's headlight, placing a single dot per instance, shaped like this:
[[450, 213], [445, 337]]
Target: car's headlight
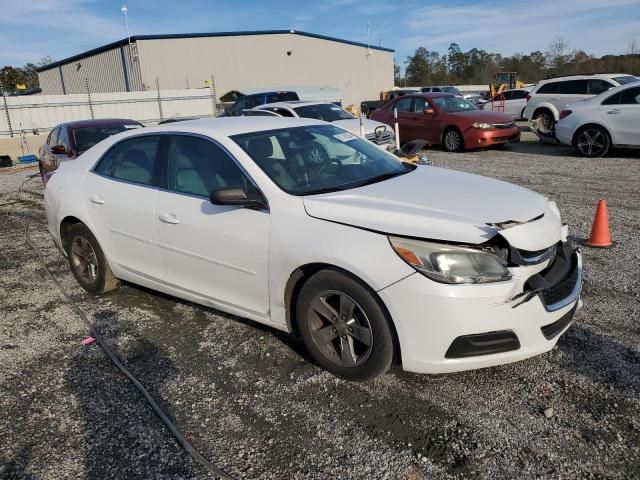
[[483, 126], [451, 264]]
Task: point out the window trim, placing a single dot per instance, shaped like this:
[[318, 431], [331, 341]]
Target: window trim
[[155, 177]]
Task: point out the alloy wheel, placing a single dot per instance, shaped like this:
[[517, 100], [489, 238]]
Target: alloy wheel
[[84, 260], [592, 142], [340, 328], [452, 140]]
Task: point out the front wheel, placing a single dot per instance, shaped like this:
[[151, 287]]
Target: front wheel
[[343, 326], [593, 141], [452, 140], [87, 261]]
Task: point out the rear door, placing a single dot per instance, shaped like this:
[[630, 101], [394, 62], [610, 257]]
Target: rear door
[[217, 252], [515, 105], [621, 113], [120, 193]]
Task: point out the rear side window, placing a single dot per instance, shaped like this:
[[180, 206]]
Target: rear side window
[[630, 96], [282, 97], [132, 160], [53, 137], [612, 100], [551, 87], [597, 86], [518, 94], [573, 87], [404, 104]]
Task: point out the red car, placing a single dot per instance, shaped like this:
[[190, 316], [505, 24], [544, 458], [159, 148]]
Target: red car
[[448, 120], [68, 140]]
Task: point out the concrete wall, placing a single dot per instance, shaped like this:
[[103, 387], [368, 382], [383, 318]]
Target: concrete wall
[[250, 61], [14, 148], [43, 112]]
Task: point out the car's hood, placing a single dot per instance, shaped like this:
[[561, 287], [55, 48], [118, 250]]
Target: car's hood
[[441, 204], [485, 116], [353, 125]]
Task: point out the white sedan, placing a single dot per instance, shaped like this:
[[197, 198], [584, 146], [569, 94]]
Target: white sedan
[[365, 257], [512, 102], [376, 132], [611, 119]]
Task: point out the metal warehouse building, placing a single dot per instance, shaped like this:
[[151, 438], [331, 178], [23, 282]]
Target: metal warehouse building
[[237, 60]]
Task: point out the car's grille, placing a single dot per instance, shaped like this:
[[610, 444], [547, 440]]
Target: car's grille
[[504, 125], [559, 284], [506, 139], [386, 137], [564, 287]]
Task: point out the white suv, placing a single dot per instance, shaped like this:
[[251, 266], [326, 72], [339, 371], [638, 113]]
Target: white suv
[[550, 97]]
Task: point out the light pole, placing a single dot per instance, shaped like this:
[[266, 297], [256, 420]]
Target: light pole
[[125, 10]]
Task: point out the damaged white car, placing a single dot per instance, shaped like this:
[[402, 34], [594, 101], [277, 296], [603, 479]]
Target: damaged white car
[[366, 258]]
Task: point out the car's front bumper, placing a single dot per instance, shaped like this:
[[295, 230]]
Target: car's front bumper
[[447, 328], [478, 138]]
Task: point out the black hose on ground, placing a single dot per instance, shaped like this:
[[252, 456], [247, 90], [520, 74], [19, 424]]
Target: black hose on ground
[[197, 456]]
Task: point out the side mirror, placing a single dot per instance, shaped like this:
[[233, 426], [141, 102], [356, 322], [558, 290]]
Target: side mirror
[[428, 111], [58, 149], [236, 196]]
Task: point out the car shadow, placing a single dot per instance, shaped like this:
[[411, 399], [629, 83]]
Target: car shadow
[[121, 436], [601, 358]]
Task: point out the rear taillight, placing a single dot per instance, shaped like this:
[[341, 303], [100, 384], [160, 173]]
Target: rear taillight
[[528, 98], [565, 113]]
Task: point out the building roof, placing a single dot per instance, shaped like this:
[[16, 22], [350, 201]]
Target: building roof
[[134, 38]]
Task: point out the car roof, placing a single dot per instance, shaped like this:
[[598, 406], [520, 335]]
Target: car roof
[[98, 122], [583, 76], [294, 103], [429, 95], [228, 126]]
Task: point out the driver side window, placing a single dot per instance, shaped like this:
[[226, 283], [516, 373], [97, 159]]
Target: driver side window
[[420, 104]]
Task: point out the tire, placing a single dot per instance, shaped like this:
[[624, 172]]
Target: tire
[[87, 261], [452, 140], [592, 141], [343, 327], [547, 118]]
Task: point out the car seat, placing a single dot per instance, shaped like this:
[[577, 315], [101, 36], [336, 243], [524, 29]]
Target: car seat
[[260, 149], [135, 166]]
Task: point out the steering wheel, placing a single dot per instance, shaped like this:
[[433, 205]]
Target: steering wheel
[[318, 156]]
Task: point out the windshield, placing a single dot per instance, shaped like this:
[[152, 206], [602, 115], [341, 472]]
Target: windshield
[[453, 104], [319, 158], [626, 79], [451, 90], [87, 137], [323, 111]]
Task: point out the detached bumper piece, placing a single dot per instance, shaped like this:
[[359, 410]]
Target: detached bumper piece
[[560, 284], [553, 330], [483, 344]]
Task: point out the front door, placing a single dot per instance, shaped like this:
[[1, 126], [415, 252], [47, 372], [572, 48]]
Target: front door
[[405, 118], [120, 194], [218, 252]]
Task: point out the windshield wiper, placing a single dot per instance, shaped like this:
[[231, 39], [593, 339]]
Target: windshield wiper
[[322, 190], [381, 177]]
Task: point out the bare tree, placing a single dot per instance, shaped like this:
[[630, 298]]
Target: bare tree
[[633, 48]]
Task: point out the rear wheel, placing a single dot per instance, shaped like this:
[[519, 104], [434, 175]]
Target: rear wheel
[[545, 117], [87, 261], [343, 326], [452, 140], [593, 141]]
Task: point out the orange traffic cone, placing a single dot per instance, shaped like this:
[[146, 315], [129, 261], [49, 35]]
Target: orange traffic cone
[[600, 236]]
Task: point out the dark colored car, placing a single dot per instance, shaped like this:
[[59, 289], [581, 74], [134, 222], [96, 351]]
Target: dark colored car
[[448, 120], [69, 140]]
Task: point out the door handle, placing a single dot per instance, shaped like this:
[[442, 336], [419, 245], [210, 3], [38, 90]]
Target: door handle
[[169, 218], [615, 111], [97, 199]]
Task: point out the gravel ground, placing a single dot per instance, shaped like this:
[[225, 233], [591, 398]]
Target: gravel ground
[[250, 400]]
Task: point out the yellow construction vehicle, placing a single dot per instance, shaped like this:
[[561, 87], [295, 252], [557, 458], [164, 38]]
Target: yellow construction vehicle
[[504, 81]]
